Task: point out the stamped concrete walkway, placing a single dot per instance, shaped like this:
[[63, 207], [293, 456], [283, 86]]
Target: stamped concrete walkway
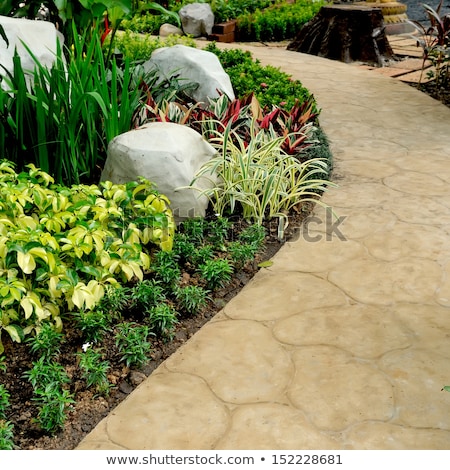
[[341, 344]]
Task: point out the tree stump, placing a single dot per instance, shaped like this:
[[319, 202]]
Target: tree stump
[[347, 33]]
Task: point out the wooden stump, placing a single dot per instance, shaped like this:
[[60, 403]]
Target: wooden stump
[[347, 33]]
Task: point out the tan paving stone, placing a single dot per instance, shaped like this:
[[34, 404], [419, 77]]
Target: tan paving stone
[[413, 182], [357, 223], [409, 240], [385, 436], [443, 291], [256, 368], [421, 210], [335, 390], [351, 195], [273, 426], [363, 170], [381, 283], [272, 295], [160, 415], [436, 164], [429, 324], [393, 71], [316, 252], [373, 332], [417, 76], [420, 374], [98, 439]]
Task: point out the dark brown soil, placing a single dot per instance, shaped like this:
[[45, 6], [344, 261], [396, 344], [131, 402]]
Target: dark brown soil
[[90, 408]]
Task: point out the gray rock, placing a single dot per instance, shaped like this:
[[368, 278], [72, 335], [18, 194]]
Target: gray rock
[[197, 19], [19, 31], [192, 66], [168, 29], [167, 154]]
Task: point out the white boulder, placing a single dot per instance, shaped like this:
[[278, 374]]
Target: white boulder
[[197, 19], [194, 66], [41, 37], [168, 29], [167, 154]]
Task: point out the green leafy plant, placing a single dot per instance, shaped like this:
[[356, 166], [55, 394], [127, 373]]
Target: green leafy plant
[[138, 47], [259, 177], [46, 342], [270, 85], [6, 435], [277, 22], [132, 342], [148, 18], [201, 254], [217, 232], [216, 272], [44, 374], [435, 42], [94, 369], [4, 401], [48, 379], [165, 268], [92, 323], [53, 403], [61, 247], [147, 293], [162, 319], [62, 118], [3, 367], [191, 298]]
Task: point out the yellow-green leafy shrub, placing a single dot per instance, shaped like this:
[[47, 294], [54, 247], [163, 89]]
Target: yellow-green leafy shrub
[[60, 246]]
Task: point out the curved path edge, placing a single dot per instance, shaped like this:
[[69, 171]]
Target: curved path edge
[[344, 342]]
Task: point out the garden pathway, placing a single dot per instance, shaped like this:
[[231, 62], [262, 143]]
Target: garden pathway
[[344, 342]]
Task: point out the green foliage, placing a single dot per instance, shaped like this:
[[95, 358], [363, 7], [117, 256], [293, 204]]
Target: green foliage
[[3, 367], [253, 235], [92, 323], [139, 47], [270, 85], [47, 379], [83, 13], [60, 247], [257, 178], [4, 401], [6, 435], [278, 22], [249, 243], [53, 403], [62, 118], [434, 38], [147, 293], [216, 272], [225, 10], [148, 17], [45, 373], [162, 319], [95, 370], [191, 298], [46, 342], [131, 340], [165, 268]]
